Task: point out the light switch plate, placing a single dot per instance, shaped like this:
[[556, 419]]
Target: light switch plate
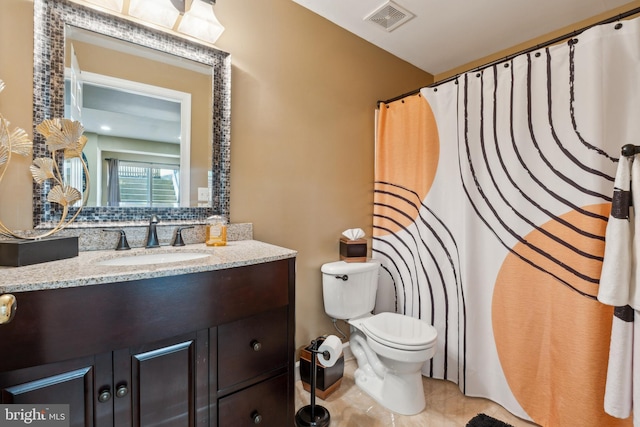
[[203, 194]]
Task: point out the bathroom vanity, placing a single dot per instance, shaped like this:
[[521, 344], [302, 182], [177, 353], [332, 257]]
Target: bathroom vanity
[[206, 342]]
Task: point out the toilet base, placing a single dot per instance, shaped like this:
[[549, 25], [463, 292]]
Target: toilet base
[[403, 394]]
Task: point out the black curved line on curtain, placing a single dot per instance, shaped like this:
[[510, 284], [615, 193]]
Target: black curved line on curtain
[[425, 222], [395, 286], [418, 252], [572, 99], [566, 152], [516, 151], [498, 153], [413, 277], [397, 268], [430, 227], [490, 206], [513, 234], [390, 232], [430, 288], [532, 175], [429, 284], [421, 240]]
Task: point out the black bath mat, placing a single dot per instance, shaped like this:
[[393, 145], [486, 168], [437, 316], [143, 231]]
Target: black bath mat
[[482, 420]]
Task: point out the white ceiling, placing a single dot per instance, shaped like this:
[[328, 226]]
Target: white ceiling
[[445, 34]]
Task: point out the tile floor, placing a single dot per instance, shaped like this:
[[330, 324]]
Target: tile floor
[[446, 406]]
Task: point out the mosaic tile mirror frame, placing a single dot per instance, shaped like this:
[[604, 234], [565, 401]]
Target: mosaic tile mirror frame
[[50, 19]]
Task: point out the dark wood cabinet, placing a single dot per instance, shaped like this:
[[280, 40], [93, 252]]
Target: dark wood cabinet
[[202, 349]]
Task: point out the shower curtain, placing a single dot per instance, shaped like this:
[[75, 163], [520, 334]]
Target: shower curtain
[[492, 195]]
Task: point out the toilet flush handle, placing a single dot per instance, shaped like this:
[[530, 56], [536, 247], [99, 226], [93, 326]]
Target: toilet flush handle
[[343, 277]]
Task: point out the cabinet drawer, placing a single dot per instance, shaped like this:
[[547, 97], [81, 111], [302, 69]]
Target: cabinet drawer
[[252, 346], [264, 404]]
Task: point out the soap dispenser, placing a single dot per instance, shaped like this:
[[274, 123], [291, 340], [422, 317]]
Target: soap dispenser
[[216, 231]]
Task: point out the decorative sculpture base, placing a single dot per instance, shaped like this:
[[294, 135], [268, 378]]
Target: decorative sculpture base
[[18, 253]]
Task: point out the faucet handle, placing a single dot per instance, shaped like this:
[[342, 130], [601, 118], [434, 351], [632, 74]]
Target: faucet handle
[[123, 245], [177, 241]]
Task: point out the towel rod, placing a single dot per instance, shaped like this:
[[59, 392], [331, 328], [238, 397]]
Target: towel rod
[[630, 150]]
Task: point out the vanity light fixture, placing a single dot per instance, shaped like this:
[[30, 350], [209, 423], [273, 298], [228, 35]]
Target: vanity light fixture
[[108, 4], [160, 12], [201, 22], [193, 18]]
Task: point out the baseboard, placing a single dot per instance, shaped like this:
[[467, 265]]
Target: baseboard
[[348, 355]]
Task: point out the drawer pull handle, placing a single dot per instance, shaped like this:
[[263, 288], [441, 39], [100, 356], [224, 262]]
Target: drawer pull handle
[[8, 306], [122, 390], [256, 345], [105, 395], [256, 417]]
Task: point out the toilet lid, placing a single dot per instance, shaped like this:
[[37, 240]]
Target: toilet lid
[[397, 330]]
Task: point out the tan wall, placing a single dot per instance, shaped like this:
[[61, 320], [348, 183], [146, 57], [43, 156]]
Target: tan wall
[[303, 98], [303, 95]]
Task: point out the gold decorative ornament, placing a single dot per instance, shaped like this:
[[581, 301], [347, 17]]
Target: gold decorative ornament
[[64, 140]]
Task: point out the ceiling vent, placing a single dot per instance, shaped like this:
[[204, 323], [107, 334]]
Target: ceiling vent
[[389, 16]]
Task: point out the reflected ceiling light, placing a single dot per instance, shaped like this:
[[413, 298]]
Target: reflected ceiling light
[[159, 12], [200, 22], [108, 4]]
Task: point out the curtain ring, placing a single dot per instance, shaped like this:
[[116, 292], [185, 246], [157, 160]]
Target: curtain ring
[[618, 26]]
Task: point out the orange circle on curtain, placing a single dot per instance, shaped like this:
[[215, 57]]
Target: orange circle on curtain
[[553, 343], [407, 151]]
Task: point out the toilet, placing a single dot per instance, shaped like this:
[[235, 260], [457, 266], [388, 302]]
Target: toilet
[[390, 348]]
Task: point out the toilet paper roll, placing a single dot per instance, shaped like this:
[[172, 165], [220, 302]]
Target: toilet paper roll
[[333, 348]]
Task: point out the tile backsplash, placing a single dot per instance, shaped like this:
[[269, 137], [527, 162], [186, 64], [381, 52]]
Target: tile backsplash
[[95, 238]]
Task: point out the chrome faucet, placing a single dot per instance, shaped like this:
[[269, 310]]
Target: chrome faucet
[[152, 234]]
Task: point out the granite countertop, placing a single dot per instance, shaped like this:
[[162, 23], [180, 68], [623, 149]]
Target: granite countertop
[[83, 270]]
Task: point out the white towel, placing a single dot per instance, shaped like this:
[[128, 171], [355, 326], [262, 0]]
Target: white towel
[[619, 287], [618, 397], [617, 266]]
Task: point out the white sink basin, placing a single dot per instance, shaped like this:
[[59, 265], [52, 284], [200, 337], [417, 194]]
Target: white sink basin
[[158, 258]]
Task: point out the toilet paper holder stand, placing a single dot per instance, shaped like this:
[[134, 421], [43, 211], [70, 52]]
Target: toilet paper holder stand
[[313, 415]]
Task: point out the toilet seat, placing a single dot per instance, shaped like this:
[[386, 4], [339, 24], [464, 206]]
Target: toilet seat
[[399, 331]]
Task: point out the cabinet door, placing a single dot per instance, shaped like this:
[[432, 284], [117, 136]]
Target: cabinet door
[[162, 383], [70, 382]]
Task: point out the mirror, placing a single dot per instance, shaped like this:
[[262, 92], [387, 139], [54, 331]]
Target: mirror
[[60, 26], [136, 107]]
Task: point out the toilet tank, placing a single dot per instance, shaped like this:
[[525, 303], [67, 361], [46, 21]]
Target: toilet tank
[[349, 288]]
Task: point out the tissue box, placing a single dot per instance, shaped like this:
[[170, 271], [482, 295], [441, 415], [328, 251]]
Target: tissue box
[[328, 379], [353, 250]]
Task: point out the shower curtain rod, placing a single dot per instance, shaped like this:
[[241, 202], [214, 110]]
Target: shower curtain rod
[[555, 40]]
